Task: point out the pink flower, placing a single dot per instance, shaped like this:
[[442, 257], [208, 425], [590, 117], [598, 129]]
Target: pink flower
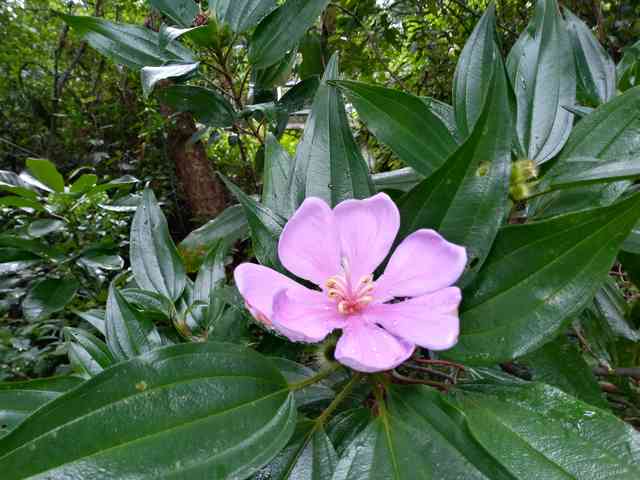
[[339, 250]]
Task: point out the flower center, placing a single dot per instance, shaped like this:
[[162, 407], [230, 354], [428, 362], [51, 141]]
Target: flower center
[[350, 300]]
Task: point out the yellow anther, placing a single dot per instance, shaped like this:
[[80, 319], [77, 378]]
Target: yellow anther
[[333, 293]]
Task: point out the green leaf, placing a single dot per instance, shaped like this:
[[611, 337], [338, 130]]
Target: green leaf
[[537, 277], [12, 183], [404, 123], [277, 74], [466, 200], [207, 106], [95, 317], [403, 179], [21, 202], [211, 274], [102, 260], [345, 426], [474, 71], [542, 71], [328, 161], [560, 363], [183, 12], [160, 416], [264, 224], [277, 168], [230, 225], [628, 70], [308, 456], [84, 183], [149, 302], [131, 45], [445, 113], [150, 76], [282, 30], [19, 399], [129, 333], [46, 172], [242, 15], [584, 171], [296, 373], [612, 307], [537, 428], [595, 69], [42, 228], [88, 353], [155, 261], [608, 134], [48, 296], [420, 435], [632, 243], [312, 58]]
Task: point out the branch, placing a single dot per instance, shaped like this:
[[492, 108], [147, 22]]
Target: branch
[[617, 372]]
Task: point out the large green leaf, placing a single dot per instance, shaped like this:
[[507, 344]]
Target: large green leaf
[[241, 15], [277, 169], [583, 171], [328, 161], [48, 296], [12, 183], [466, 200], [183, 12], [88, 353], [230, 225], [537, 429], [282, 30], [129, 333], [19, 399], [610, 134], [542, 71], [420, 435], [46, 172], [155, 261], [210, 410], [207, 106], [595, 69], [537, 277], [130, 45], [474, 72], [404, 122], [150, 76]]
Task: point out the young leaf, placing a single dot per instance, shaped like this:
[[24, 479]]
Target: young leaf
[[207, 106], [277, 168], [157, 416], [48, 296], [466, 200], [542, 71], [539, 276], [328, 161], [282, 30], [87, 352], [46, 172], [183, 12], [474, 71], [241, 15], [404, 122], [155, 261]]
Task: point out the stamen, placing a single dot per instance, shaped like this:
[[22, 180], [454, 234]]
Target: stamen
[[344, 307]]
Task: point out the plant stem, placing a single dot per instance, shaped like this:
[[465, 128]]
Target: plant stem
[[315, 379]]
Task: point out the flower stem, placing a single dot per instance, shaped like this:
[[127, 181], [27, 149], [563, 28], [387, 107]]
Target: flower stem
[[315, 379], [337, 401]]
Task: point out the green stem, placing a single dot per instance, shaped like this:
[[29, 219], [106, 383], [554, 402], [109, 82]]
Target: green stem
[[336, 402], [315, 379]]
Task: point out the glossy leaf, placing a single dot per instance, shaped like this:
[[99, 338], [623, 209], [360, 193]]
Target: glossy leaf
[[48, 296], [537, 428], [46, 172], [403, 122], [628, 70], [296, 373], [42, 228], [155, 261], [328, 161], [182, 12], [12, 183], [20, 202], [131, 45], [88, 353], [150, 76], [466, 200], [345, 426], [474, 71], [207, 106], [596, 72], [241, 15], [403, 179], [19, 399], [584, 171], [542, 71], [158, 416], [278, 33], [445, 113], [94, 317], [537, 277], [612, 306], [276, 179]]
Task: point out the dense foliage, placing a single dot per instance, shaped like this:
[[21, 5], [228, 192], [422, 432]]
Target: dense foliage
[[513, 132]]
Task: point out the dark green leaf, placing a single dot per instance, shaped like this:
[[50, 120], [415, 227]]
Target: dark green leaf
[[150, 76], [584, 171], [277, 74], [612, 306], [155, 261], [628, 70], [445, 113], [277, 168], [537, 277], [159, 416], [94, 317], [403, 122], [282, 30], [46, 172], [328, 161], [542, 71], [207, 106], [345, 426], [312, 59], [296, 373], [88, 353], [48, 296], [41, 228], [403, 179], [10, 182], [241, 15], [183, 12], [20, 202]]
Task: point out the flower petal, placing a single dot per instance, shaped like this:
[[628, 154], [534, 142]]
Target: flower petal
[[424, 262], [366, 347], [367, 230], [430, 321], [259, 285], [309, 246], [305, 316]]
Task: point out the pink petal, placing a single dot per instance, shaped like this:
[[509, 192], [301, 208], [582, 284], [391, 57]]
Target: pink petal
[[424, 262], [366, 347], [367, 230], [309, 246], [430, 321], [259, 285], [305, 316]]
